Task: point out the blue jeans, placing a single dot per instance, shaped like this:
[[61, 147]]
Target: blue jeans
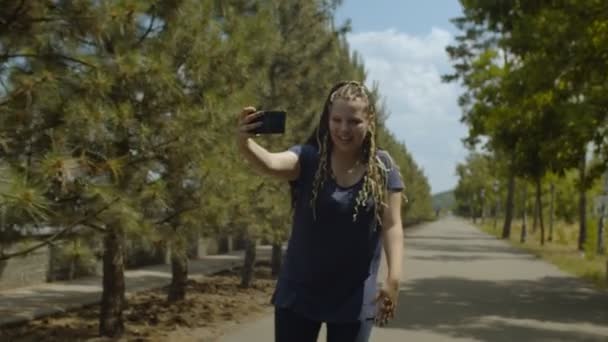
[[291, 327]]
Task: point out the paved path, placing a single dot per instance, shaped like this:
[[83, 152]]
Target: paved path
[[464, 285], [26, 303]]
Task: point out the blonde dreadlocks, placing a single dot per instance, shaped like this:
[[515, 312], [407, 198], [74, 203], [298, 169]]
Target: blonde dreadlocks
[[374, 182]]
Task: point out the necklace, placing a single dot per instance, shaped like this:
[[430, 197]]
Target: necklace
[[348, 171], [352, 169]]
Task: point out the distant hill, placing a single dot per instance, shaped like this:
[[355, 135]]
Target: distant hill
[[444, 200]]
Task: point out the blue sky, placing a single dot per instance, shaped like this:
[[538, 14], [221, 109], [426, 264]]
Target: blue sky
[[402, 43]]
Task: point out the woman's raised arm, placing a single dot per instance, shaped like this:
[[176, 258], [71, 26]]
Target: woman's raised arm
[[283, 165]]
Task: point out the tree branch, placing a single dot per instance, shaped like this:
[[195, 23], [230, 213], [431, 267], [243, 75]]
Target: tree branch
[[36, 130], [174, 215], [33, 55], [95, 227], [4, 86], [13, 16], [145, 35], [155, 147], [45, 20], [86, 42], [53, 237]]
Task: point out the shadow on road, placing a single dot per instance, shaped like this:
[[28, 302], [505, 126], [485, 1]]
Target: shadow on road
[[460, 237], [467, 258], [540, 310], [490, 249]]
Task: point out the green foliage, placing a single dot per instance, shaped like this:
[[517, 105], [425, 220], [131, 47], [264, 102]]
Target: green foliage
[[590, 246], [418, 206], [24, 202], [562, 236], [444, 200], [123, 114], [76, 256], [118, 117], [566, 206], [476, 184], [531, 91]]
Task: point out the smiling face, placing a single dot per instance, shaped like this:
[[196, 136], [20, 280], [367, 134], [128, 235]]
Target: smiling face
[[348, 124]]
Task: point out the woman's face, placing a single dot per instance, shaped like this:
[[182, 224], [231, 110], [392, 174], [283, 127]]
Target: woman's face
[[348, 124]]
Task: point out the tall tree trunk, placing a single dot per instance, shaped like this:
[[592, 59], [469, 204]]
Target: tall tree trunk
[[483, 205], [606, 270], [277, 257], [524, 214], [179, 274], [551, 212], [539, 209], [509, 205], [72, 269], [535, 215], [249, 262], [473, 213], [496, 208], [601, 248], [111, 323], [600, 233], [582, 202]]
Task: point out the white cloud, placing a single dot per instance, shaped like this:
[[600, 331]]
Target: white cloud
[[424, 111], [392, 45]]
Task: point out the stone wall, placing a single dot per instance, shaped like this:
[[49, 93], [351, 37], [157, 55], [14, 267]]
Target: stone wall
[[44, 265], [24, 271]]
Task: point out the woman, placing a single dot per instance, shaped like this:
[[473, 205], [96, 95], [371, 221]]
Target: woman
[[346, 195]]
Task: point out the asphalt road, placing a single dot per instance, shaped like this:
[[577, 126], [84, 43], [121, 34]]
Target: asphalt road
[[464, 285]]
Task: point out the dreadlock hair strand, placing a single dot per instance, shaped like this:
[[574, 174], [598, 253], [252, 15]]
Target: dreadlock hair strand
[[375, 177]]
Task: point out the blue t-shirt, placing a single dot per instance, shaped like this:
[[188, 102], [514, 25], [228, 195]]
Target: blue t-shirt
[[331, 264]]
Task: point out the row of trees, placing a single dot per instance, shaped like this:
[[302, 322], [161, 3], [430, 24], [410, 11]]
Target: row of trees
[[535, 83], [118, 117], [481, 193]]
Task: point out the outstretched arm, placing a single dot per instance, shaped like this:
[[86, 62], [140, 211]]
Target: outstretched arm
[[284, 165]]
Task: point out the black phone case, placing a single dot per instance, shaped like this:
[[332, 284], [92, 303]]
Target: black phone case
[[273, 122]]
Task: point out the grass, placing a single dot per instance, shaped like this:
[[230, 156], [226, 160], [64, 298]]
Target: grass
[[562, 251]]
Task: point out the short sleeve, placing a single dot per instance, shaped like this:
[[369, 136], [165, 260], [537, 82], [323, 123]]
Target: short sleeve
[[306, 154], [297, 149], [394, 182]]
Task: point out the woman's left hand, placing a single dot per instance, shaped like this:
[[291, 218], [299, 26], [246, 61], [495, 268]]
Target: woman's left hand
[[387, 301]]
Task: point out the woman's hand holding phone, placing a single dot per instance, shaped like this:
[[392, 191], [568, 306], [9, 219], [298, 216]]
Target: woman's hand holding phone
[[246, 124], [252, 122]]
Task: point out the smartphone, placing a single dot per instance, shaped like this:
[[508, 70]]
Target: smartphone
[[273, 122]]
